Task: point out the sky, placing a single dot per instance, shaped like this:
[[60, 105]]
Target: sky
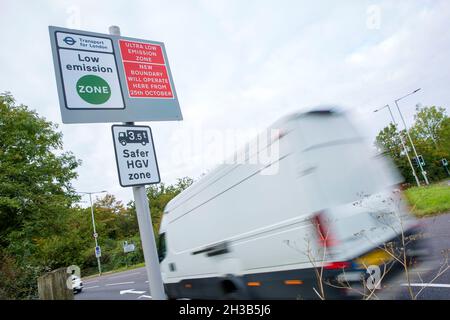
[[238, 66]]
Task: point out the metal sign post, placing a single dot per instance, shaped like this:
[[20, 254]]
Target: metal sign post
[[148, 243], [98, 253], [146, 229]]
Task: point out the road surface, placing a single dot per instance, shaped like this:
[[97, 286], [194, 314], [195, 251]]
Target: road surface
[[127, 285], [436, 288], [133, 284]]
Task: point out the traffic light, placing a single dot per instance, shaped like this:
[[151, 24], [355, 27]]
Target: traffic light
[[421, 161], [444, 162]]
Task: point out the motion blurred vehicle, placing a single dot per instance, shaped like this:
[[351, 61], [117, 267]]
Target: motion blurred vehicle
[[77, 285], [328, 222]]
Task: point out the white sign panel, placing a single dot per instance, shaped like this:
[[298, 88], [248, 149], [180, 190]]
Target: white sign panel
[[89, 72], [128, 247], [98, 252], [135, 155]]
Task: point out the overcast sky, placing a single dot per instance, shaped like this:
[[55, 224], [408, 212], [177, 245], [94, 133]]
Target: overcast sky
[[237, 65]]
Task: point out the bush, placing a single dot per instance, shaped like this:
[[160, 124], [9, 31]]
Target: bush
[[16, 281]]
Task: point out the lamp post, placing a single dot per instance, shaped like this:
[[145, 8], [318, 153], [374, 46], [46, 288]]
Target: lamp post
[[403, 143], [424, 174], [93, 225]]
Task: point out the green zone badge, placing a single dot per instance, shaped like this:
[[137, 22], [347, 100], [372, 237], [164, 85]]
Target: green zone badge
[[93, 89]]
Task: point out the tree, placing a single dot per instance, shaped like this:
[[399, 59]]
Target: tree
[[388, 141], [428, 139], [430, 135], [159, 196], [427, 123], [41, 225], [113, 219], [35, 183], [444, 136]]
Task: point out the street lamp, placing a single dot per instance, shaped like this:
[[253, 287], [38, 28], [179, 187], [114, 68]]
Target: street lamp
[[424, 174], [93, 225], [403, 143]]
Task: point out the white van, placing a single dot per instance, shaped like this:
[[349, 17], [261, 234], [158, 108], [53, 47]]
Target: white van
[[246, 231]]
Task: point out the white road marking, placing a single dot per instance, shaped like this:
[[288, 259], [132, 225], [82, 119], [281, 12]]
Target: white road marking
[[119, 283], [434, 285], [144, 296], [131, 291], [91, 287]]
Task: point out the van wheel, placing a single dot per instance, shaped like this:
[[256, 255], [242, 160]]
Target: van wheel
[[234, 289]]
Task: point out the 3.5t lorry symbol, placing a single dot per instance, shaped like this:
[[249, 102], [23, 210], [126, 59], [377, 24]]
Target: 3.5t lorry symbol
[[133, 136]]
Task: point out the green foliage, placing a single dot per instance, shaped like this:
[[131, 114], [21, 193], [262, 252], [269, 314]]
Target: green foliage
[[430, 134], [444, 136], [116, 224], [35, 195], [428, 122], [17, 281], [159, 195], [429, 200], [41, 227]]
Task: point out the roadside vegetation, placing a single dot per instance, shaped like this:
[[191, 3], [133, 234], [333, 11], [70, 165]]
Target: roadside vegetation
[[430, 200], [42, 225], [431, 135]]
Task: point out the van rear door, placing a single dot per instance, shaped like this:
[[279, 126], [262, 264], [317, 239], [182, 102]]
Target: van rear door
[[356, 188]]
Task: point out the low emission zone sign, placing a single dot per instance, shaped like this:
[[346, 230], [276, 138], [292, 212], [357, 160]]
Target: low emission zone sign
[[89, 72], [135, 155], [109, 78]]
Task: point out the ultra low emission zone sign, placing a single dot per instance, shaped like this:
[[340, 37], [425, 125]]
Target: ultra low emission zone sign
[[135, 155], [108, 78]]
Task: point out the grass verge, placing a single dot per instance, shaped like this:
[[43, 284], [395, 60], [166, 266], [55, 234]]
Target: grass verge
[[135, 266], [429, 200]]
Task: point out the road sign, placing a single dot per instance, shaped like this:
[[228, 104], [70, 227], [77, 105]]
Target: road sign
[[95, 234], [109, 78], [418, 160], [98, 252], [145, 70], [135, 155], [89, 72], [128, 247]]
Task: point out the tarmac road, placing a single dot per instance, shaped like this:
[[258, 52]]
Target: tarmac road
[[133, 284], [126, 285], [435, 288]]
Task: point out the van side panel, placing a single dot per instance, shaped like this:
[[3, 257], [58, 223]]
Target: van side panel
[[256, 214]]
